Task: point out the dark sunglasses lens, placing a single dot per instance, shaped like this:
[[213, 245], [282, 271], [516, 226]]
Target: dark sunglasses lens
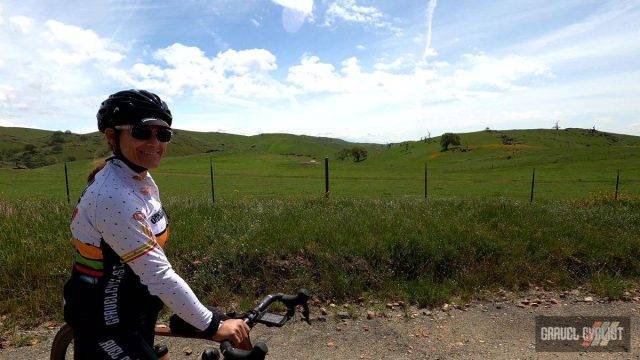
[[144, 133], [141, 133], [164, 135]]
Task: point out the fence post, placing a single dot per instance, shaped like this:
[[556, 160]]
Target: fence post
[[425, 181], [213, 194], [66, 180], [533, 183], [617, 184], [326, 177]]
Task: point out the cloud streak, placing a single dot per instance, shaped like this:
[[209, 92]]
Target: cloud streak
[[428, 50], [350, 11]]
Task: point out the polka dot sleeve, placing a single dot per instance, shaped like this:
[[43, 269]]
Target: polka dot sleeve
[[124, 226]]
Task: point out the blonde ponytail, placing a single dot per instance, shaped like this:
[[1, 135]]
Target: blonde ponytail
[[98, 165]]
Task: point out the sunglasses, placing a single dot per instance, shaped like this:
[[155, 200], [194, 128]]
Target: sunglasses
[[145, 132]]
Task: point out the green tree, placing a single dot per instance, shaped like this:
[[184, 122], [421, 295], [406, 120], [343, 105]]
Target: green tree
[[359, 153], [449, 139]]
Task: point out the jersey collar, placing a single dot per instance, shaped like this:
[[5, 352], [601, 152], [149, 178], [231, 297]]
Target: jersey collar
[[126, 166]]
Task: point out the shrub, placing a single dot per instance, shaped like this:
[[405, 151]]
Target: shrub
[[506, 140], [343, 154], [30, 148], [57, 138]]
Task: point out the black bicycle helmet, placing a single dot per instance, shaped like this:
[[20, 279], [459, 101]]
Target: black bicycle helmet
[[133, 107]]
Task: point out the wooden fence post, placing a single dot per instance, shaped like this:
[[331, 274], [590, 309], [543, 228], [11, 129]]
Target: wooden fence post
[[617, 184], [326, 177], [213, 193], [533, 183], [66, 180], [425, 181]]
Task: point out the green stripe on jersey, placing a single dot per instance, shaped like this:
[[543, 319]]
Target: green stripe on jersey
[[94, 264]]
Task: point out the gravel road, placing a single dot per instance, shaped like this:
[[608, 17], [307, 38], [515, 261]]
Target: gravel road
[[499, 329]]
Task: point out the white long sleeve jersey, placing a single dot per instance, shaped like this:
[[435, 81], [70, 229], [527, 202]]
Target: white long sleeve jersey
[[120, 212]]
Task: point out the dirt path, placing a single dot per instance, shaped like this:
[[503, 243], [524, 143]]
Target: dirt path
[[502, 329]]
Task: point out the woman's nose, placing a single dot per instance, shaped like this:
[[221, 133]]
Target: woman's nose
[[154, 137]]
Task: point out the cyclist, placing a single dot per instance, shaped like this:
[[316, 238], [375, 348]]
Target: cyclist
[[121, 276]]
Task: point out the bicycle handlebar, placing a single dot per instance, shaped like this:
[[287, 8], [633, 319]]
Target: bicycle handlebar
[[256, 316]]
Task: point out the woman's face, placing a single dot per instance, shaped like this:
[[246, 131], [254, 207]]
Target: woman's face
[[144, 153]]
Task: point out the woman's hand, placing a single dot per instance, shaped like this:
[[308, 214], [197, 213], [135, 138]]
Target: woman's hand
[[236, 331]]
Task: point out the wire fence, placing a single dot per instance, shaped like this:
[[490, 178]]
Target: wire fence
[[527, 184]]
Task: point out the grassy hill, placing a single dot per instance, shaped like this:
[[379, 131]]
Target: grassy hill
[[569, 163], [33, 148]]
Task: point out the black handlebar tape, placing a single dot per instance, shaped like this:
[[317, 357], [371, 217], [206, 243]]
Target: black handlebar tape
[[299, 299], [259, 351]]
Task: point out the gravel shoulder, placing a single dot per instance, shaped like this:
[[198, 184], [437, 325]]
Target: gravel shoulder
[[498, 329]]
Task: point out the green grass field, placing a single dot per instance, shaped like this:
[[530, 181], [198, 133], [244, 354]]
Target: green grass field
[[571, 164], [399, 249]]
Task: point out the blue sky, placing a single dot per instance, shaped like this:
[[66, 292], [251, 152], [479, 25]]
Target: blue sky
[[380, 71]]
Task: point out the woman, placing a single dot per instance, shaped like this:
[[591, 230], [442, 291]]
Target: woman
[[121, 276]]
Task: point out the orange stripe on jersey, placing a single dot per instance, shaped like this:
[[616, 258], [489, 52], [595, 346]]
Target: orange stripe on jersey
[[86, 250], [163, 237], [145, 248]]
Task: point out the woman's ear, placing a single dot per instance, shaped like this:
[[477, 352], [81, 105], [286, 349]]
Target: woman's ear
[[110, 135]]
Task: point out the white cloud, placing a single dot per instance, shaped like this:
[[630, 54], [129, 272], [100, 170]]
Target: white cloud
[[318, 97], [255, 22], [402, 62], [313, 76], [42, 82], [75, 45], [1, 18], [361, 47], [350, 11], [500, 73], [245, 61], [232, 76], [22, 23]]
